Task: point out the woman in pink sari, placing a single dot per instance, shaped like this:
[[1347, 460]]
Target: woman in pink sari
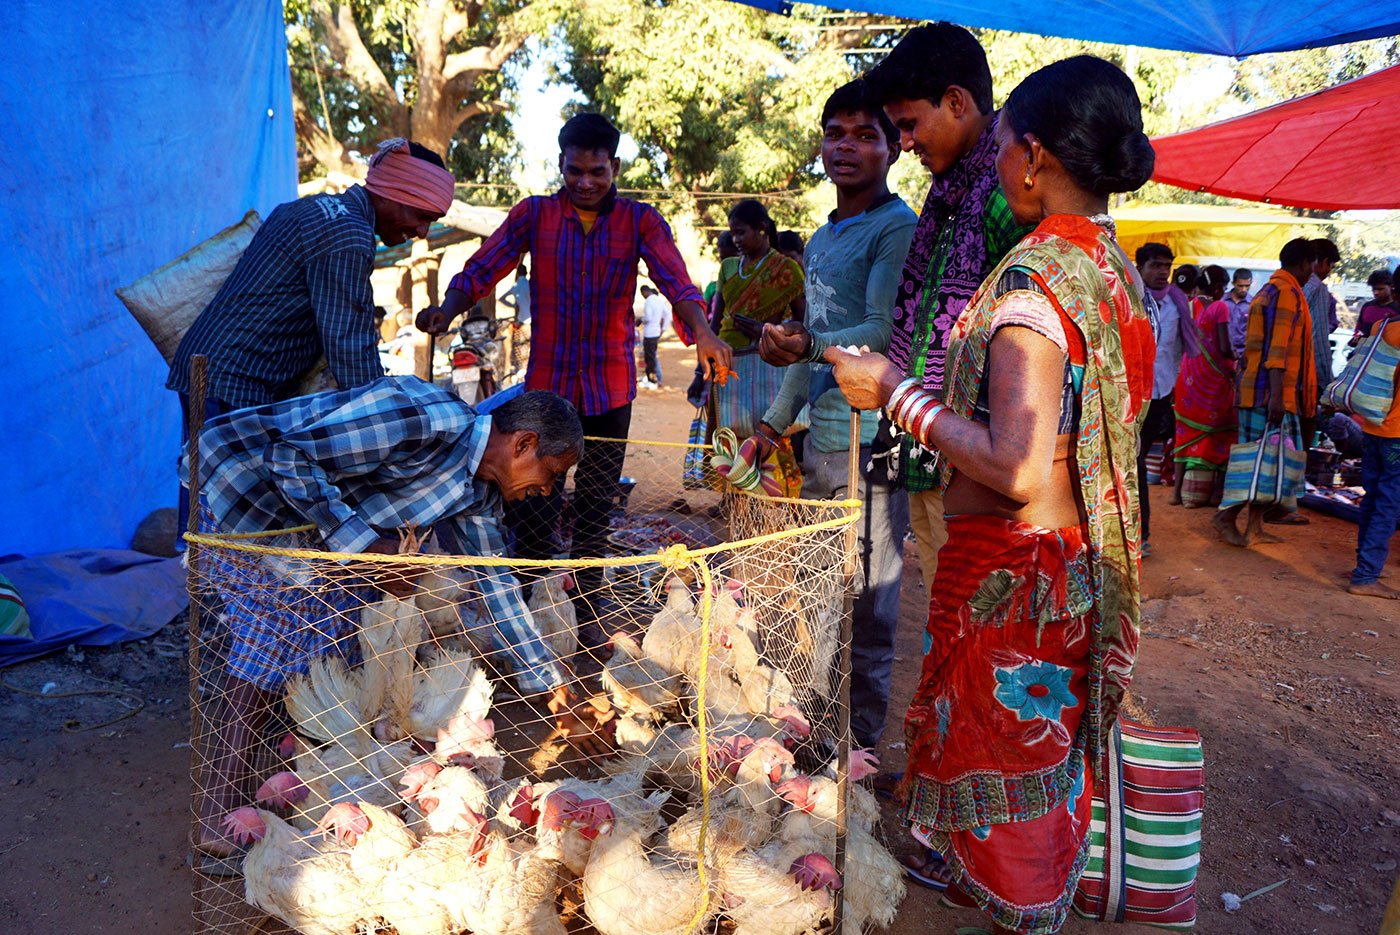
[[1205, 401]]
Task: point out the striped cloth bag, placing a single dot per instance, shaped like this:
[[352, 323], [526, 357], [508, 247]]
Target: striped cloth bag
[[1268, 470], [1145, 836], [741, 402], [1367, 386]]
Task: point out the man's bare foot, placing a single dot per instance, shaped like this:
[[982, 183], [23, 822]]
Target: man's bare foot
[[1385, 575], [1174, 500], [1374, 589], [1224, 523], [1267, 538]]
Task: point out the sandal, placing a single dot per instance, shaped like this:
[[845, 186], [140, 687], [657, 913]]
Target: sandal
[[938, 880], [886, 785], [210, 865]]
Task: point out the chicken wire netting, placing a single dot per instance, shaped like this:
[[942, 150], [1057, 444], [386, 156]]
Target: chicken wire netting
[[385, 770]]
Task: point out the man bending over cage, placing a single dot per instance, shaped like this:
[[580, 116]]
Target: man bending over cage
[[358, 465]]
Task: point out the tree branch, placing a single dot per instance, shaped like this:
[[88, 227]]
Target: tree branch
[[343, 39], [320, 144], [477, 109], [430, 52], [482, 58]]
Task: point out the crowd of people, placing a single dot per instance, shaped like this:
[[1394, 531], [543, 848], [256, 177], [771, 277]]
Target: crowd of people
[[1012, 367], [1232, 368]]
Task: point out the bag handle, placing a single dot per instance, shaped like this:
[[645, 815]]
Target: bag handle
[[1373, 344], [1115, 864], [1258, 467]]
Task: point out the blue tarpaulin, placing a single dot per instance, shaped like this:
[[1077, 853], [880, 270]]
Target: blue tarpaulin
[[1219, 27], [91, 598], [133, 132]]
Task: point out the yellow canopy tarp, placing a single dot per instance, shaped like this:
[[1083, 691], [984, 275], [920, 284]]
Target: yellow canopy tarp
[[1194, 231]]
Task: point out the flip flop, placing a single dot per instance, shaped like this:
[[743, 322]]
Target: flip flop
[[933, 883], [1289, 519]]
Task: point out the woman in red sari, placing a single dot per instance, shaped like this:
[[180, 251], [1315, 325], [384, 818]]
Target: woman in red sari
[[1205, 400], [1033, 624]]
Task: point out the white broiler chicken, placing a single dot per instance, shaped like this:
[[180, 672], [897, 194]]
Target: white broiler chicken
[[451, 797], [816, 798], [478, 880], [391, 631], [470, 741], [554, 614], [874, 880], [423, 895], [362, 769], [566, 815], [672, 639], [669, 759], [300, 879], [631, 890], [786, 724], [764, 687], [449, 687], [377, 840], [638, 686], [439, 592], [745, 773], [326, 701], [776, 890], [632, 735]]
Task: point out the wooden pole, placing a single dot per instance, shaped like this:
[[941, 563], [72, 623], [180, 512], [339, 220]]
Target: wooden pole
[[843, 694], [424, 345], [199, 382]]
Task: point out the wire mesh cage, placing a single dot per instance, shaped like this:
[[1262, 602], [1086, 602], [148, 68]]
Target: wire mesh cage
[[393, 765]]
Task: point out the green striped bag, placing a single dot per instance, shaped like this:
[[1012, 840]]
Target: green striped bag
[[14, 619], [1145, 836]]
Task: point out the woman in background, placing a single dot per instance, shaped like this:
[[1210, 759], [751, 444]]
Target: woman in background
[[1205, 401], [758, 286], [1032, 633]]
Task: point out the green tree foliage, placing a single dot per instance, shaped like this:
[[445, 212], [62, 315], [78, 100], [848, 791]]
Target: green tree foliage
[[439, 71], [719, 97]]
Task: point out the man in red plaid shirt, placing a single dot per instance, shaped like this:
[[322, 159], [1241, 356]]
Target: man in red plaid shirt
[[585, 242]]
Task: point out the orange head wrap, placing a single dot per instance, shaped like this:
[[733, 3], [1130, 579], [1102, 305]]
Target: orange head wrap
[[396, 174]]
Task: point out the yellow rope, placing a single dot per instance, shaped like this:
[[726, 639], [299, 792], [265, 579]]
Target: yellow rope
[[639, 441], [675, 553]]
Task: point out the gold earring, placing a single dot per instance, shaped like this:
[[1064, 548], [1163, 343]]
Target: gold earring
[[1030, 182]]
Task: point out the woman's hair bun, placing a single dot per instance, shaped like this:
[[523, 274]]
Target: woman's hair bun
[[1087, 113], [1128, 166]]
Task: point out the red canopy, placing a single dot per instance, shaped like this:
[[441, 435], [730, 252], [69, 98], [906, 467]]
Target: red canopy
[[1333, 150]]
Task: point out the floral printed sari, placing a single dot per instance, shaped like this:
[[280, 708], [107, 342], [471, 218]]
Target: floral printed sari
[[1032, 632]]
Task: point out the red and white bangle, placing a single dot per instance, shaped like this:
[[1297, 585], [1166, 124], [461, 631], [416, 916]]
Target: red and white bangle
[[914, 410]]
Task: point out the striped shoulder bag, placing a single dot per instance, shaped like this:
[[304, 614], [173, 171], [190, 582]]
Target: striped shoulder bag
[[1367, 385], [1145, 836]]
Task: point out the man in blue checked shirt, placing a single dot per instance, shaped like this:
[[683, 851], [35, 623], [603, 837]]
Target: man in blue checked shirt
[[359, 465]]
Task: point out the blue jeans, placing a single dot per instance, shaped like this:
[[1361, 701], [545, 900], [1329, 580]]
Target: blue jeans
[[884, 520], [1380, 508]]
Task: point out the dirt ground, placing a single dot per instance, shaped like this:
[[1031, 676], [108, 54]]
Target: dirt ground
[[1291, 681]]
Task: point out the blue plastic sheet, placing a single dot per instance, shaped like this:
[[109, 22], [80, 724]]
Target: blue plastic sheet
[[1220, 27], [91, 598], [133, 132]]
